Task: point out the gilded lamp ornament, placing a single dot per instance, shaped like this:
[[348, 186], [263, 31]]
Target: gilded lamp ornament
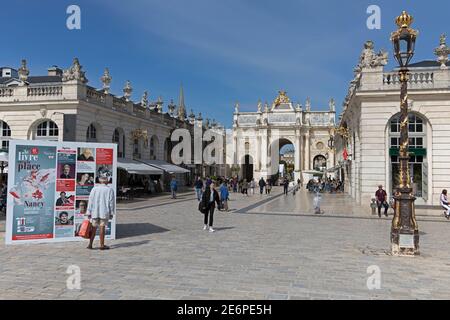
[[404, 39], [137, 134], [342, 131]]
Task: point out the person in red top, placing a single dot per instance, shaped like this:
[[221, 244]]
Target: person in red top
[[381, 197]]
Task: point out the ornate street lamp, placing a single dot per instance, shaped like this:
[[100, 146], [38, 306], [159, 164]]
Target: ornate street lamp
[[331, 143], [404, 230]]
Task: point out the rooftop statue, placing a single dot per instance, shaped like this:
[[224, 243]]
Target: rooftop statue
[[370, 59], [75, 72]]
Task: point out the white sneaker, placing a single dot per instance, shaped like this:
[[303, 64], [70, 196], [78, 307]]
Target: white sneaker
[[205, 227], [211, 229]]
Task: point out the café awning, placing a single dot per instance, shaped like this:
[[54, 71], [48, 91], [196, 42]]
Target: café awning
[[167, 167], [334, 169], [135, 167], [4, 157]]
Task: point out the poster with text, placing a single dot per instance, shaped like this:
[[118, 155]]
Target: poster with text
[[32, 192], [49, 186]]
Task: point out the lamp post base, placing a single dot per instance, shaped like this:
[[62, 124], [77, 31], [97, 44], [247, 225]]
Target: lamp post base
[[404, 231], [405, 244]]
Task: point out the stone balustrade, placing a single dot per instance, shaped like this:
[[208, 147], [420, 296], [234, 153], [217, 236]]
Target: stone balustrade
[[95, 96], [139, 111], [6, 92], [69, 91], [120, 105], [44, 91], [416, 79]]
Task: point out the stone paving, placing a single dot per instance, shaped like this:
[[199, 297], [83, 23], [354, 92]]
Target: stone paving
[[266, 248]]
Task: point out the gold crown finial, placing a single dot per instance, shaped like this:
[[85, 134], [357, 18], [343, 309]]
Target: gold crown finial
[[282, 98], [404, 20]]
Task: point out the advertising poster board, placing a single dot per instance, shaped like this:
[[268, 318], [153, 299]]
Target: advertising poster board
[[49, 183]]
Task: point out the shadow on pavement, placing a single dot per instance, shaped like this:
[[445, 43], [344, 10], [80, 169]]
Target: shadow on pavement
[[130, 230], [170, 201], [130, 244], [224, 228]]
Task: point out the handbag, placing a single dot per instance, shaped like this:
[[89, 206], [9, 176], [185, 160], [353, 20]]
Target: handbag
[[85, 229], [202, 208]]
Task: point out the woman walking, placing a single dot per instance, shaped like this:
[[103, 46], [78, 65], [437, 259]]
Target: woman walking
[[268, 186], [209, 199]]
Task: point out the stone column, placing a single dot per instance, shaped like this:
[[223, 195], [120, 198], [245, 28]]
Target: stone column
[[264, 154], [298, 161], [257, 161], [235, 150], [307, 157], [332, 157]]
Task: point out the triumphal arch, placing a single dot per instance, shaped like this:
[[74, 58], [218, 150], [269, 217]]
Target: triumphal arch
[[259, 136]]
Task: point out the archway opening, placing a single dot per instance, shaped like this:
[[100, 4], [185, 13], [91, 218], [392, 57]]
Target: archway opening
[[247, 168], [320, 163], [285, 166]]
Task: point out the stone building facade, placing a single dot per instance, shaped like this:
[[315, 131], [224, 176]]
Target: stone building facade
[[369, 127], [61, 106]]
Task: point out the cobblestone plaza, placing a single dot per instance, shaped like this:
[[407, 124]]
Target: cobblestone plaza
[[265, 248]]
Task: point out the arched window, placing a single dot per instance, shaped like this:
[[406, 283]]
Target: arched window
[[119, 139], [136, 149], [5, 134], [418, 166], [167, 150], [320, 163], [91, 133], [153, 147], [416, 131], [47, 130]]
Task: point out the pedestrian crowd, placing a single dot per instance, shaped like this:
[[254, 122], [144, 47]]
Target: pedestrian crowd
[[214, 193], [327, 185]]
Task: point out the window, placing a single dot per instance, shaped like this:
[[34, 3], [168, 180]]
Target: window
[[167, 150], [320, 163], [136, 149], [395, 142], [416, 132], [153, 148], [119, 139], [91, 133], [47, 130], [415, 124], [116, 136], [417, 162], [5, 134]]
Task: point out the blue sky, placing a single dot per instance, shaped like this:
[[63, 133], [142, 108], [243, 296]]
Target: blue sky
[[221, 51]]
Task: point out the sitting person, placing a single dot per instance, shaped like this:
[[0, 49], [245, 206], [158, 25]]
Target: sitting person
[[381, 197], [444, 204]]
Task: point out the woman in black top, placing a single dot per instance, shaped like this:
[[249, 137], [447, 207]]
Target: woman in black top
[[209, 199]]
